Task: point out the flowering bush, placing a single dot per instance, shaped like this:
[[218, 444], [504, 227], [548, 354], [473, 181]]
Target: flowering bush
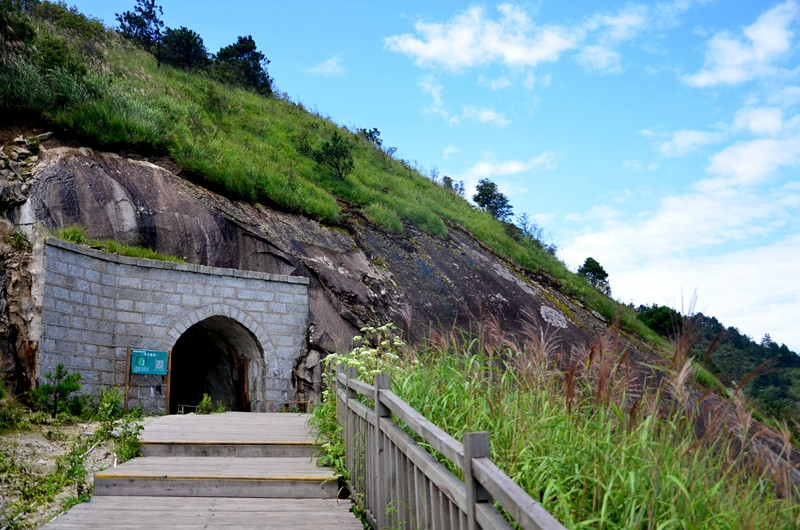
[[377, 350]]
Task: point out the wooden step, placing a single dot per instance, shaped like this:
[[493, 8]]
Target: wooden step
[[144, 512], [189, 476], [236, 434], [256, 427], [229, 449]]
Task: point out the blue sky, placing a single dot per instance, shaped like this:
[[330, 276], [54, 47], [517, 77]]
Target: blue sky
[[660, 138]]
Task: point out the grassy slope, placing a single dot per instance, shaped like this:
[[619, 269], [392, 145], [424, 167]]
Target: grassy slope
[[260, 149]]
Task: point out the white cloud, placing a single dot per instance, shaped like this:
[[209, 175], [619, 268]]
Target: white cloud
[[735, 59], [667, 13], [685, 141], [601, 212], [607, 31], [620, 26], [531, 81], [430, 86], [495, 84], [434, 89], [330, 67], [756, 290], [683, 225], [546, 161], [760, 121], [472, 38], [704, 239], [484, 169], [599, 58], [450, 150], [751, 162], [635, 165], [786, 97], [483, 115]]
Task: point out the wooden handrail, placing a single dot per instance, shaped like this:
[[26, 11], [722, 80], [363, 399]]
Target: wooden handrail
[[398, 482], [422, 426]]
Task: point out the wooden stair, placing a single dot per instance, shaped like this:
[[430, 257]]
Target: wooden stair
[[230, 469]]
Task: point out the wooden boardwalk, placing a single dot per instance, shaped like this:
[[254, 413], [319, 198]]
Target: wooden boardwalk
[[229, 470]]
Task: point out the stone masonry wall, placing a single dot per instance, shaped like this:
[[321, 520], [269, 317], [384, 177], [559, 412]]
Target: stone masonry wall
[[96, 305]]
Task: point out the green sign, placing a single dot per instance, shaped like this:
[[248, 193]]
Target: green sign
[[149, 362]]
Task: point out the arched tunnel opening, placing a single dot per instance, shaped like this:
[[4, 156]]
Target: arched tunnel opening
[[217, 356]]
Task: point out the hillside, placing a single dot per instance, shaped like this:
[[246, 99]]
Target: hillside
[[257, 149], [67, 73]]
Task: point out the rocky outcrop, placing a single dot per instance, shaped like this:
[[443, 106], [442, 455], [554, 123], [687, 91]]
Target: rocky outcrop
[[359, 275], [18, 312]]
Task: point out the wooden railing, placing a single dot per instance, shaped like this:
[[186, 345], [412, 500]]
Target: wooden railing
[[399, 484]]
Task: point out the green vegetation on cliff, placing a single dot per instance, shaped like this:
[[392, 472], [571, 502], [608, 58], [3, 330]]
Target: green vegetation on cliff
[[77, 235]]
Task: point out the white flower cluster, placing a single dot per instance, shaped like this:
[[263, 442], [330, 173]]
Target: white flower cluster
[[377, 350]]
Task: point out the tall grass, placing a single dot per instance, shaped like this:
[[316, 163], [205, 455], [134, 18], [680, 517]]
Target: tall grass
[[597, 441]]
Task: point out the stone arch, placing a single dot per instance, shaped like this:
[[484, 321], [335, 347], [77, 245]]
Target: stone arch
[[219, 350], [194, 316]]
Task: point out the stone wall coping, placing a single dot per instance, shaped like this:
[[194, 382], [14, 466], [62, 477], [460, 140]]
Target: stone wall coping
[[169, 265]]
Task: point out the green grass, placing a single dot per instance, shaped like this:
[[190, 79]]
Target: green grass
[[582, 439], [77, 235]]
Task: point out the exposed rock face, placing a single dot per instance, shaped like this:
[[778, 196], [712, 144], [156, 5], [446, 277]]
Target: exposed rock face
[[17, 313], [359, 275]]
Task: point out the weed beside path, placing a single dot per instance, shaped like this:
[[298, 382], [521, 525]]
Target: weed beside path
[[47, 467], [47, 464]]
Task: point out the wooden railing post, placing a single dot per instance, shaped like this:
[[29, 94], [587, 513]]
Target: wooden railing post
[[338, 388], [476, 445], [382, 382], [350, 458]]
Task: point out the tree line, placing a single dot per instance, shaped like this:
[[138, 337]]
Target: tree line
[[239, 63]]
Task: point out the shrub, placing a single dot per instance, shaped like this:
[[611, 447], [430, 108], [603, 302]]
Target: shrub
[[12, 414], [70, 19], [335, 156], [55, 395], [184, 48], [19, 241], [377, 350], [126, 439], [16, 30], [143, 25], [242, 64], [108, 407], [489, 197], [206, 407]]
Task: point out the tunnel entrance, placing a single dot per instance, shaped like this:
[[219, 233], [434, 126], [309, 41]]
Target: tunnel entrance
[[217, 356]]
